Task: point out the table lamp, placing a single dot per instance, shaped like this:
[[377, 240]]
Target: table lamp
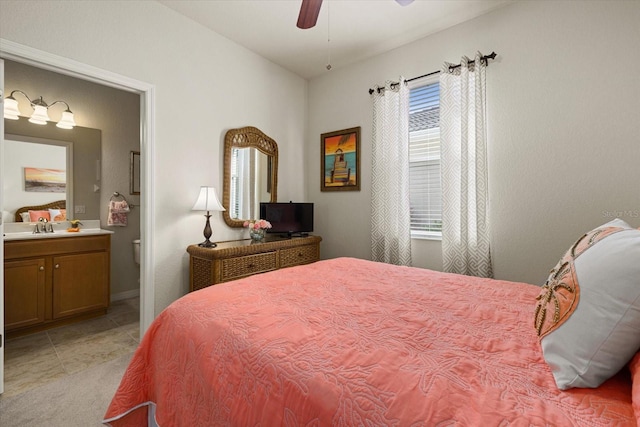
[[207, 201]]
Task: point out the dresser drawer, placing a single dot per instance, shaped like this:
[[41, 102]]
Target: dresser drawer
[[234, 268], [300, 255]]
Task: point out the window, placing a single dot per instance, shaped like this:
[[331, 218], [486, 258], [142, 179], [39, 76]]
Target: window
[[425, 191], [236, 178]]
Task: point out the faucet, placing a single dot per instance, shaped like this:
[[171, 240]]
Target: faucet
[[44, 222]]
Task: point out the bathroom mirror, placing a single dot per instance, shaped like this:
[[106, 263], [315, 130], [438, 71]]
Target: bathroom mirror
[[81, 149], [36, 172], [250, 174]]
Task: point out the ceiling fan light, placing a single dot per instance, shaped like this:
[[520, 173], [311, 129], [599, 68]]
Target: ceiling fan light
[[11, 110], [404, 2], [66, 122]]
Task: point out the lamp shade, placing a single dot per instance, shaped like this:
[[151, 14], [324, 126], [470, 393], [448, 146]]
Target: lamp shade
[[39, 116], [11, 110], [207, 200], [66, 122]]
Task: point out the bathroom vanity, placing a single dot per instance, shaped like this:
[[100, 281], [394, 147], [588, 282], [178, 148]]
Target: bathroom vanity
[[55, 279]]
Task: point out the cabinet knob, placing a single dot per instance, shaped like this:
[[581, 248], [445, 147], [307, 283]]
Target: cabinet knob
[[41, 268], [57, 266]]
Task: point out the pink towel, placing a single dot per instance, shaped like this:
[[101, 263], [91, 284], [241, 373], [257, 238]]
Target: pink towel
[[118, 211]]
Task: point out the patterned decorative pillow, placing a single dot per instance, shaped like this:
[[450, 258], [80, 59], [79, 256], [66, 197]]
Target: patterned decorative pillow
[[588, 311], [58, 214], [36, 215], [25, 216]]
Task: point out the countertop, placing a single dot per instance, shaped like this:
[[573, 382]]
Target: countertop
[[22, 231]]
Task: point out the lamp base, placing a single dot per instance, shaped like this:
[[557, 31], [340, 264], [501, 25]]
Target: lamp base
[[207, 233], [207, 244]]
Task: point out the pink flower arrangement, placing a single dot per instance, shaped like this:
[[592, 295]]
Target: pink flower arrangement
[[257, 225]]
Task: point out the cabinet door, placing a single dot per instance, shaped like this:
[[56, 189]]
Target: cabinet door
[[80, 283], [24, 293]]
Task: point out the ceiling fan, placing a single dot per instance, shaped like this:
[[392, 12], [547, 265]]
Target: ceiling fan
[[310, 9]]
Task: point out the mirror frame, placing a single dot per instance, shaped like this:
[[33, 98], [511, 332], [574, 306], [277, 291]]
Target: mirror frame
[[134, 173], [247, 137]]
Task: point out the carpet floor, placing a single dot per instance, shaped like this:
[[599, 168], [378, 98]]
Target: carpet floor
[[78, 400]]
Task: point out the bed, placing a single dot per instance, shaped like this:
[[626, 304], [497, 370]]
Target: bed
[[57, 205], [349, 342]]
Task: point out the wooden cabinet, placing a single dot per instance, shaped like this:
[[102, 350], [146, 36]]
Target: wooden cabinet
[[54, 281], [79, 283], [24, 289], [241, 258]]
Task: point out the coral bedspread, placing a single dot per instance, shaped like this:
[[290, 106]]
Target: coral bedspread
[[347, 342]]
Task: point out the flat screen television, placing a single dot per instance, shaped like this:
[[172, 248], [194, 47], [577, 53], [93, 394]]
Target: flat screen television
[[291, 219]]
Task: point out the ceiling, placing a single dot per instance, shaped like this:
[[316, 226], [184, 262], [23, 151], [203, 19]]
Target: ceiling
[[357, 29]]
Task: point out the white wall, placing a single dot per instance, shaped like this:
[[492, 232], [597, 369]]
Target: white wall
[[205, 85], [564, 148]]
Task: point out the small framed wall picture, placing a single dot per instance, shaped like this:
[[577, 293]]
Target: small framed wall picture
[[134, 173], [42, 180], [340, 160]]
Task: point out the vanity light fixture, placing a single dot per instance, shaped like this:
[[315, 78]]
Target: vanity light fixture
[[207, 201], [40, 114]]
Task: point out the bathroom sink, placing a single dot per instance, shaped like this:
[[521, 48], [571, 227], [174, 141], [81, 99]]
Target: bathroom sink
[[22, 231], [24, 235]]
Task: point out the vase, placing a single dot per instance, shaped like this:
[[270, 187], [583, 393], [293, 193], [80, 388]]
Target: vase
[[256, 233]]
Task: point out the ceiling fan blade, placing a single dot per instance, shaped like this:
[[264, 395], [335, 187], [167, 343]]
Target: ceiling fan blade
[[404, 2], [309, 11]]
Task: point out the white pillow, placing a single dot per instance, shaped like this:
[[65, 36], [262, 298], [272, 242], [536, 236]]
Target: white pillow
[[25, 217], [58, 214], [594, 330]]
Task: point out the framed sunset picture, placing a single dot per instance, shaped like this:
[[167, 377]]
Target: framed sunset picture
[[43, 180], [340, 160]]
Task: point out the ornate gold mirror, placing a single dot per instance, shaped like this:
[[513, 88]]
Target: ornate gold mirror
[[250, 174]]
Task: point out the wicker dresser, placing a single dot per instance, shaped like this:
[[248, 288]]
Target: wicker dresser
[[240, 258]]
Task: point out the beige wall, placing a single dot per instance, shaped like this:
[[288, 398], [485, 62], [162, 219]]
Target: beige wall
[[563, 108], [204, 85], [112, 114]]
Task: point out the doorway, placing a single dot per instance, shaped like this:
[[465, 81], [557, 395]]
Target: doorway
[[39, 59]]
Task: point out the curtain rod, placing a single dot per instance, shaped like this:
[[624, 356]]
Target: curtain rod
[[485, 58]]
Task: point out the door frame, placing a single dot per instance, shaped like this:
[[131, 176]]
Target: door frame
[[2, 334], [41, 59]]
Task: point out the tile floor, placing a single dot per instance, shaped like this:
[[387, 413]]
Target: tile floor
[[34, 360]]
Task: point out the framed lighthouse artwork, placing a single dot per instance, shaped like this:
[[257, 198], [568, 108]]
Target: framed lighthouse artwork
[[340, 160]]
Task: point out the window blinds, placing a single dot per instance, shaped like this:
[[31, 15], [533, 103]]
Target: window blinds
[[424, 159]]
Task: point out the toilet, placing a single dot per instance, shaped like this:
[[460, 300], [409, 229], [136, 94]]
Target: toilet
[[136, 251]]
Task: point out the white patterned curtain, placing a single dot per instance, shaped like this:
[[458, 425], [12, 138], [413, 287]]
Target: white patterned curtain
[[465, 222], [390, 224]]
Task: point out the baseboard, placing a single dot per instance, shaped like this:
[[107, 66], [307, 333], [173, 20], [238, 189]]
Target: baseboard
[[125, 295]]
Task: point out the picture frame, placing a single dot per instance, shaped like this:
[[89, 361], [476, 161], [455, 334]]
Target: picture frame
[[340, 160], [43, 180], [134, 173]]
